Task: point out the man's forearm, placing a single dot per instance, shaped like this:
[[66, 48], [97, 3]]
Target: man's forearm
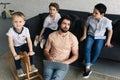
[[71, 60], [46, 53]]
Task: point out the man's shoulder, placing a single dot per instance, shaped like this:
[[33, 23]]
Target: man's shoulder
[[72, 35], [53, 33], [73, 38]]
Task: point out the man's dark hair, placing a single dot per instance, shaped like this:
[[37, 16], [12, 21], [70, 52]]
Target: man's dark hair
[[62, 18], [101, 7], [54, 5]]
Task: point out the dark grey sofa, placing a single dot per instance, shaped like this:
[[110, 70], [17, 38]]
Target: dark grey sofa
[[78, 19]]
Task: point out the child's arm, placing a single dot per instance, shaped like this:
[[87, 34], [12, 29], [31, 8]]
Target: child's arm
[[108, 44], [84, 33], [30, 46], [12, 49], [41, 34]]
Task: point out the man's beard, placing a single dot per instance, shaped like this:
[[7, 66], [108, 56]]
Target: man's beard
[[64, 30]]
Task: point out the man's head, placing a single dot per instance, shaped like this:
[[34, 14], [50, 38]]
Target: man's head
[[64, 24], [99, 10], [53, 8]]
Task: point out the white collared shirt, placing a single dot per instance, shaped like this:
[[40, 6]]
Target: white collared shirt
[[50, 23], [97, 28], [18, 39]]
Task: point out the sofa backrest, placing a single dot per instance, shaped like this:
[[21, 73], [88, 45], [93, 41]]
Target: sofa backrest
[[35, 24]]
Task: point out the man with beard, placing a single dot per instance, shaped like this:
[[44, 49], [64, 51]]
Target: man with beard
[[61, 49]]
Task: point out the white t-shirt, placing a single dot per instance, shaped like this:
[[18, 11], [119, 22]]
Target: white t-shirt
[[18, 38], [50, 23]]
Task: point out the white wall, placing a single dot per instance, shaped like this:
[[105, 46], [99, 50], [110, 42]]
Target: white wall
[[33, 7]]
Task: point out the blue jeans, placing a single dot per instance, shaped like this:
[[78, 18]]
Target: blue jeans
[[22, 48], [93, 48], [55, 70]]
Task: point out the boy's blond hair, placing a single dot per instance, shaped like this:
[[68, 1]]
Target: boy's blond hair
[[20, 14]]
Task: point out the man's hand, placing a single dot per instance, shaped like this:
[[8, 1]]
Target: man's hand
[[51, 58]]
